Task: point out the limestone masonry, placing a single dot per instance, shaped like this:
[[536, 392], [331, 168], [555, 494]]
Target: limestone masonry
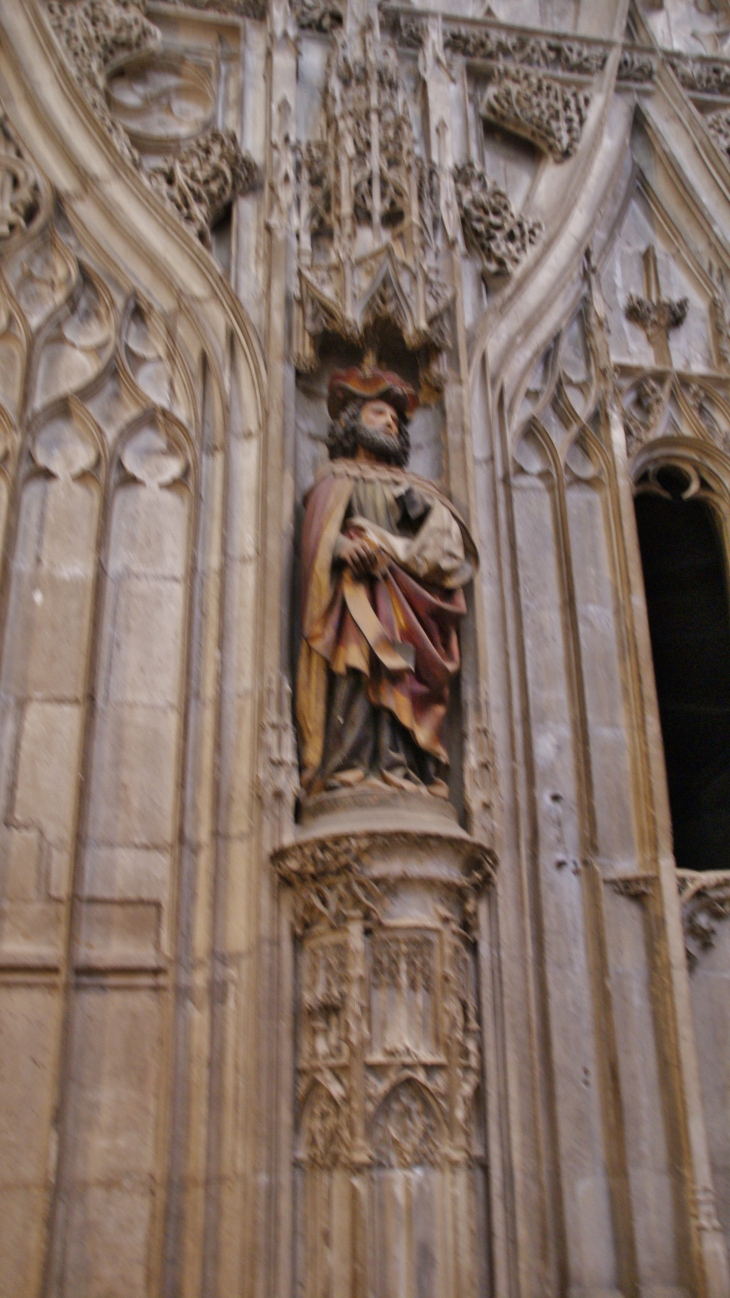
[[364, 649]]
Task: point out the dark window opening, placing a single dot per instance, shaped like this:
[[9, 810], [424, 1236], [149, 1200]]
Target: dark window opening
[[689, 619]]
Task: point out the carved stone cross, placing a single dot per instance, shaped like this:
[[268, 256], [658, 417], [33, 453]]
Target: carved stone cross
[[654, 314]]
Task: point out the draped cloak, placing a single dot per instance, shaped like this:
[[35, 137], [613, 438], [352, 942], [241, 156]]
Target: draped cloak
[[398, 627]]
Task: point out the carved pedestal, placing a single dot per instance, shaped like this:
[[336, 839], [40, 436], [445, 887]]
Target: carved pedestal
[[389, 1147]]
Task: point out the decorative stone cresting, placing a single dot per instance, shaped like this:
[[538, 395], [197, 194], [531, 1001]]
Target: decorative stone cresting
[[239, 8], [499, 236], [494, 43], [539, 108], [201, 179], [491, 43]]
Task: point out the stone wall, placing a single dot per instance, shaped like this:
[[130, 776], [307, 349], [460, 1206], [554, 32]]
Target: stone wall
[[204, 210]]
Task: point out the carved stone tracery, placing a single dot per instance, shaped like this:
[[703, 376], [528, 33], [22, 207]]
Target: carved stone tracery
[[363, 186], [406, 1131], [389, 1055]]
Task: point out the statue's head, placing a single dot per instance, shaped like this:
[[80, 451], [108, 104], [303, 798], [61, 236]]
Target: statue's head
[[370, 408]]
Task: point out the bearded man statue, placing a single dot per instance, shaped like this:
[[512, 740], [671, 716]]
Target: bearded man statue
[[385, 558]]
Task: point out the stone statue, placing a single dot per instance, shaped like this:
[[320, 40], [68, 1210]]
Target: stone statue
[[385, 558]]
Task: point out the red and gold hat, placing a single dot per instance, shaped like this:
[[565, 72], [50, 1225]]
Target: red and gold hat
[[370, 384]]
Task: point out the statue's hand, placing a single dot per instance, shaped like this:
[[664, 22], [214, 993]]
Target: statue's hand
[[358, 553]]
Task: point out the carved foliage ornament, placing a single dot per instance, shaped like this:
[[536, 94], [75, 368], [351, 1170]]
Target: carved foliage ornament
[[279, 767], [656, 317], [636, 66], [705, 901], [718, 124], [556, 55], [95, 33], [703, 76], [644, 406], [490, 43], [492, 229], [330, 880], [19, 193], [539, 108], [319, 15], [199, 181]]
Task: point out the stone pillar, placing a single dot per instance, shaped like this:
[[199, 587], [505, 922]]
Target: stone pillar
[[389, 1158]]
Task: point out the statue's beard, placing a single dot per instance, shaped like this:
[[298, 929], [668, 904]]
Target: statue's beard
[[383, 445]]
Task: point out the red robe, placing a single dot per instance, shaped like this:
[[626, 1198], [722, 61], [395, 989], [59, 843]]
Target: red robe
[[398, 628]]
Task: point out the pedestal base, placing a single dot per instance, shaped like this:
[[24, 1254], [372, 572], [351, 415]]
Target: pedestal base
[[389, 1157]]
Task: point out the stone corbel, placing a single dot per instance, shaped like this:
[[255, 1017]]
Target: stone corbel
[[539, 108], [636, 886], [500, 237], [705, 901], [202, 180]]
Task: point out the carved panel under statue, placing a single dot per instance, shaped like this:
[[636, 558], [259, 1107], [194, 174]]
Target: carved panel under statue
[[389, 1158]]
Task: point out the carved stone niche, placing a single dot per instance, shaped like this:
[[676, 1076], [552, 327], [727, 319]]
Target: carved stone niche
[[389, 1158]]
